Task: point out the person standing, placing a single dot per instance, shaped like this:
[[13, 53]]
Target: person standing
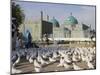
[[17, 43], [28, 39]]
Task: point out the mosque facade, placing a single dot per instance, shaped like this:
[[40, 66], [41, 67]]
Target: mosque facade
[[71, 28]]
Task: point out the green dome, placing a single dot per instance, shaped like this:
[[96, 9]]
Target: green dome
[[55, 22], [71, 20]]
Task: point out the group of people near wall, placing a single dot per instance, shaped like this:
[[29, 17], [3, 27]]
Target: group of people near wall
[[22, 40]]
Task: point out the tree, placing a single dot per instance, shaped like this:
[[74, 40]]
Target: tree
[[18, 18], [18, 14]]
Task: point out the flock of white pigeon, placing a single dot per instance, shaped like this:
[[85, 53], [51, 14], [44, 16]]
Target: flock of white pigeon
[[66, 57]]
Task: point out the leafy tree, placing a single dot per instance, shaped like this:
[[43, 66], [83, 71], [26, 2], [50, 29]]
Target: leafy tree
[[18, 14]]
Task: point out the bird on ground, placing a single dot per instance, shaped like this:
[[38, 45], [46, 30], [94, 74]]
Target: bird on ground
[[51, 59], [37, 64], [14, 71], [67, 58], [37, 69], [27, 57], [76, 58], [15, 58], [61, 62], [44, 60], [76, 67], [67, 66], [31, 60], [90, 65], [55, 54], [18, 60]]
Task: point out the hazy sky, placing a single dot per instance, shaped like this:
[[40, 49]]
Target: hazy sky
[[84, 14]]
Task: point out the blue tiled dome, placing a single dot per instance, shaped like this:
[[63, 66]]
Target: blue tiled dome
[[71, 20], [55, 22]]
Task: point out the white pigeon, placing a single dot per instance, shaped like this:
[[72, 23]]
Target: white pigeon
[[67, 66], [31, 60], [67, 59], [83, 57], [17, 61], [61, 62], [51, 59], [37, 69], [60, 52], [36, 63], [15, 70], [44, 56], [40, 59], [90, 65], [43, 61], [76, 67], [90, 57], [76, 58], [27, 57], [55, 55]]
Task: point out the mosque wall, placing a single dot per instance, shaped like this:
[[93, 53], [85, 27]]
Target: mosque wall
[[33, 27], [58, 32], [40, 27], [77, 32], [36, 31]]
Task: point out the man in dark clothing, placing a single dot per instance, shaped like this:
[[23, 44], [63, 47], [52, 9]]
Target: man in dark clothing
[[29, 40], [47, 40]]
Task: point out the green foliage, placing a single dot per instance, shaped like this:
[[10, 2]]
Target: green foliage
[[17, 13]]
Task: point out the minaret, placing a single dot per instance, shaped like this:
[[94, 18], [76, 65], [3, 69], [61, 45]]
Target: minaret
[[41, 34], [71, 27], [47, 18], [90, 30], [90, 26], [41, 16], [71, 14]]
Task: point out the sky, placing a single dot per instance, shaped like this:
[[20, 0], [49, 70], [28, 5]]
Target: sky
[[83, 13]]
